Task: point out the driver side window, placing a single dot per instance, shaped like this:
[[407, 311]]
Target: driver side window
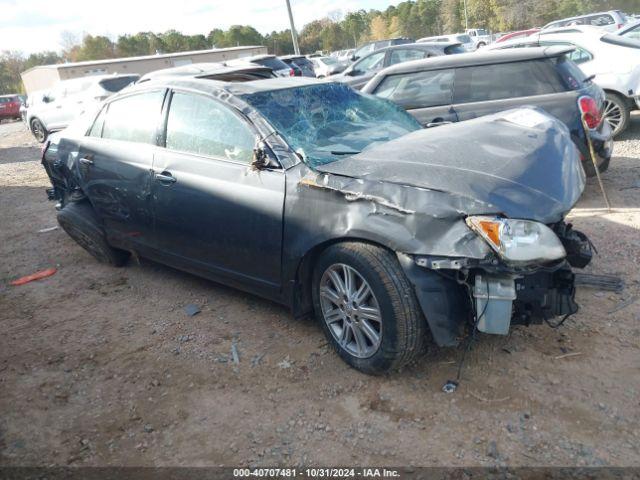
[[203, 126]]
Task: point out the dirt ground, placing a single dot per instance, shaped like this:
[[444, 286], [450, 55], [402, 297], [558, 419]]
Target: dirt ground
[[102, 366]]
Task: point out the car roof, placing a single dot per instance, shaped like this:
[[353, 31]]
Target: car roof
[[217, 86], [478, 58], [567, 19]]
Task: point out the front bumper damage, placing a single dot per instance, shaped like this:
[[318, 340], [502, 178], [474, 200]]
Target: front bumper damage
[[491, 295]]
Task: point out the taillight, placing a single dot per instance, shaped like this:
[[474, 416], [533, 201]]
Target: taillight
[[292, 73], [589, 110], [620, 25]]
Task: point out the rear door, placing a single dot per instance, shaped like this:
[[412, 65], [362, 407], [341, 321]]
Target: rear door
[[427, 95], [214, 213], [115, 161], [485, 89]]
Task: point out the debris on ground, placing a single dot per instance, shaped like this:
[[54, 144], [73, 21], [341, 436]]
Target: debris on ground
[[624, 304], [48, 229], [286, 363], [34, 276], [191, 309], [234, 352]]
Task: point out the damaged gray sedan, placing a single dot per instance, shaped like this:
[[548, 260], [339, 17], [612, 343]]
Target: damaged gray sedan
[[334, 203]]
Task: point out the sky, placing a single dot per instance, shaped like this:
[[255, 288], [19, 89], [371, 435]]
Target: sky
[[36, 25]]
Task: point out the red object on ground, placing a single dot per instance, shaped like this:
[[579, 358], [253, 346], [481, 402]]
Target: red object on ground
[[34, 276]]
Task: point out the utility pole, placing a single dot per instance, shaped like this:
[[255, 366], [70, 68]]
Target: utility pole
[[294, 35], [466, 19]]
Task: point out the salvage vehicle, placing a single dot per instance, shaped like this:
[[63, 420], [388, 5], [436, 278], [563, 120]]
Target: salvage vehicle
[[612, 61], [326, 200], [460, 87], [360, 72]]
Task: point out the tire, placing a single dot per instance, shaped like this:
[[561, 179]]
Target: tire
[[401, 329], [616, 112], [38, 130], [81, 223]]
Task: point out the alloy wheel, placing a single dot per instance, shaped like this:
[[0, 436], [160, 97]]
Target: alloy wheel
[[612, 113], [350, 310]]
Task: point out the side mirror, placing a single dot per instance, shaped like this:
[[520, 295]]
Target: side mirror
[[260, 156]]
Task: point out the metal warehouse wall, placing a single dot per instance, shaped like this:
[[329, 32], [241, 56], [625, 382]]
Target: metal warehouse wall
[[45, 77]]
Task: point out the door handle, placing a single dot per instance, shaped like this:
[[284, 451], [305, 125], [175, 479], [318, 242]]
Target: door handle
[[88, 160], [165, 177]]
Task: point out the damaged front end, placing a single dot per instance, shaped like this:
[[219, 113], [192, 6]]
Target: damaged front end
[[493, 295], [477, 224]]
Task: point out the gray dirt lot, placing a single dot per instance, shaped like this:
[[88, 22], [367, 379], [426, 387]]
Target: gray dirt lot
[[101, 366]]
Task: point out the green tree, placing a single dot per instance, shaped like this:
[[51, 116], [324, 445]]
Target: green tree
[[95, 48]]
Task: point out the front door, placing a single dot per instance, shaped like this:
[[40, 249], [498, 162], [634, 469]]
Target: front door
[[213, 212], [427, 95]]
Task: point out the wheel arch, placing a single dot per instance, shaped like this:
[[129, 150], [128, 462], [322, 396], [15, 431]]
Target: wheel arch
[[301, 299]]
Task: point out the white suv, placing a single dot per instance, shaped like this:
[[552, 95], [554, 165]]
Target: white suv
[[612, 60], [51, 110], [610, 21]]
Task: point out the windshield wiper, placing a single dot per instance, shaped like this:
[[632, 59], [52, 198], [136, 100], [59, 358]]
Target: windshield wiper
[[340, 152], [589, 78]]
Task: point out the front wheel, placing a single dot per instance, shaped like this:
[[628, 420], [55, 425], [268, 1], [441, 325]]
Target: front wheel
[[616, 113], [367, 307]]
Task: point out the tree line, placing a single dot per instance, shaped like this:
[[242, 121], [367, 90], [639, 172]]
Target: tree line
[[412, 18]]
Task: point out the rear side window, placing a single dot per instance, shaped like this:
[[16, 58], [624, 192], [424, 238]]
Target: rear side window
[[203, 126], [599, 20], [406, 55], [450, 50], [116, 84], [463, 38], [134, 118], [419, 89], [506, 80], [273, 63], [570, 72]]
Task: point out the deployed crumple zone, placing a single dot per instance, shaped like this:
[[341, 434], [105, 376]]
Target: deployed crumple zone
[[348, 209]]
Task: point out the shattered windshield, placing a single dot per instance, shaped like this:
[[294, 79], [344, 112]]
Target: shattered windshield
[[327, 121]]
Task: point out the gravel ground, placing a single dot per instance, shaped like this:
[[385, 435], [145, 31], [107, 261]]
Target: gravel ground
[[101, 366]]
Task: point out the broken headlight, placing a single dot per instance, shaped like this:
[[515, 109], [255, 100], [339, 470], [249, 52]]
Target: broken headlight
[[518, 240]]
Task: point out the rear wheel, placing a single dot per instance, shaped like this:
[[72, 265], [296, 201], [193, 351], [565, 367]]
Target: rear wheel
[[81, 223], [38, 130], [616, 113], [367, 307]]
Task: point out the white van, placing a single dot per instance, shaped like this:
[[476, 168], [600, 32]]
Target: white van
[[53, 109]]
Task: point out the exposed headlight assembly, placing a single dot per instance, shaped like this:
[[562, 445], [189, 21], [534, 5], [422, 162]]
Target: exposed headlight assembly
[[518, 240]]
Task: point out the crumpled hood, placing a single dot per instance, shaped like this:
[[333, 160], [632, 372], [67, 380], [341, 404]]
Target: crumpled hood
[[521, 163]]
